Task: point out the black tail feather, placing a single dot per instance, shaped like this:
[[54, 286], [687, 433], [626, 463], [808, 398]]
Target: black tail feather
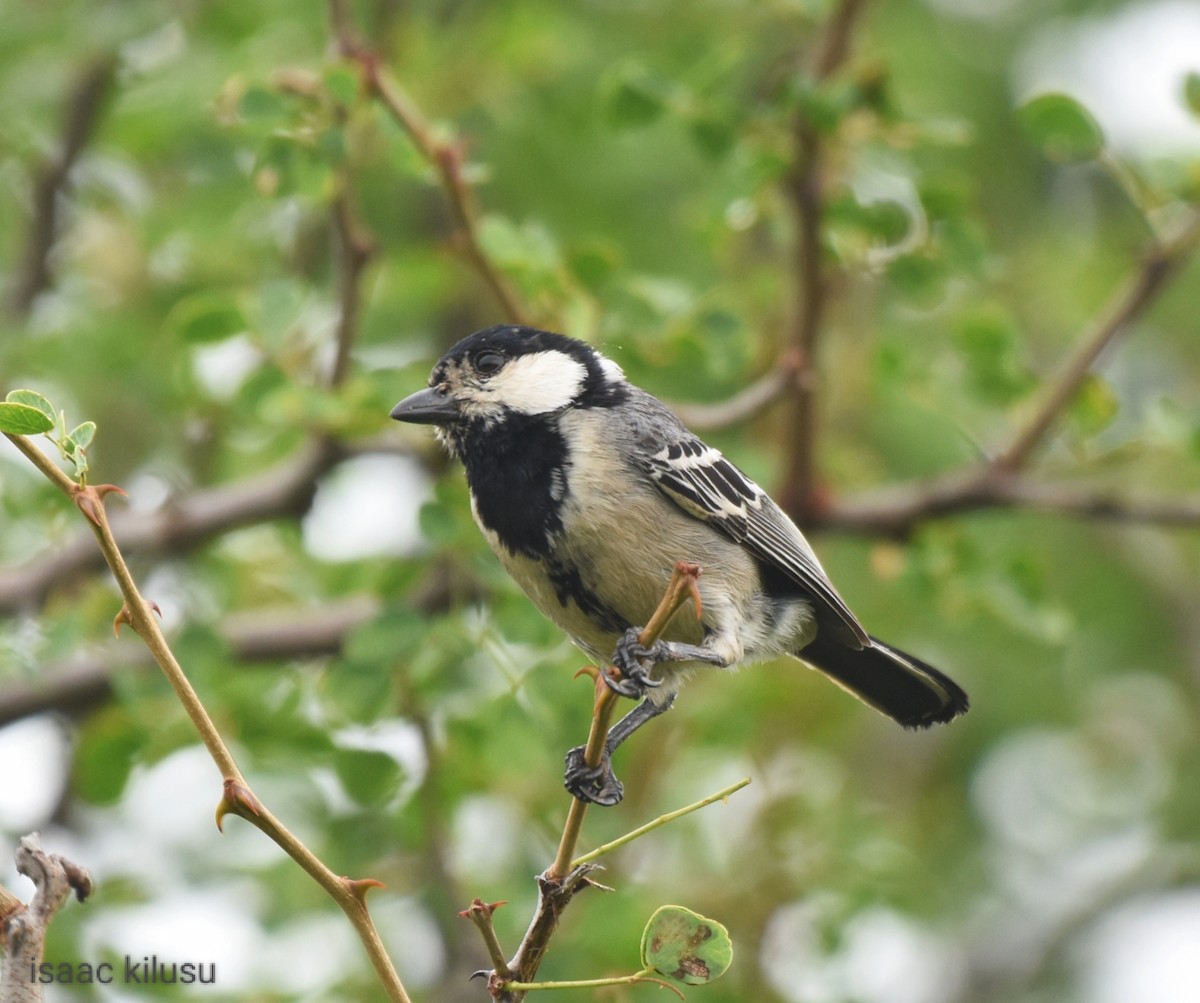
[[901, 686]]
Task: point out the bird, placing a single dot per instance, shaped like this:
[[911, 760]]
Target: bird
[[590, 490]]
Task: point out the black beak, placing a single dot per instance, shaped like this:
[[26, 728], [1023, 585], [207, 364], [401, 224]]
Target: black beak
[[430, 406]]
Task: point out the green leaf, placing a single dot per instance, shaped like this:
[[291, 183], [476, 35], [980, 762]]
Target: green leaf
[[1095, 405], [26, 412], [21, 419], [261, 103], [31, 398], [206, 317], [918, 277], [369, 777], [635, 98], [714, 137], [1191, 92], [684, 946], [342, 82], [821, 104], [1062, 127], [104, 756], [81, 435], [989, 338]]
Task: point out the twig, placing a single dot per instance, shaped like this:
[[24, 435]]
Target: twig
[[23, 928], [680, 589], [804, 185], [285, 490], [606, 701], [834, 46], [84, 107], [893, 511], [84, 682], [662, 820], [646, 975], [561, 881], [237, 799], [356, 247], [480, 913], [1130, 302], [446, 158], [743, 405]]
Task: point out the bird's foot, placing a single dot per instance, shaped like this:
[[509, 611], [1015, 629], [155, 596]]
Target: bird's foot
[[635, 661], [595, 784]]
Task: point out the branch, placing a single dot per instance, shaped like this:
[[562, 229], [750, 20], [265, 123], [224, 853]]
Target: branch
[[563, 879], [895, 510], [1132, 300], [834, 47], [743, 405], [722, 795], [446, 158], [83, 683], [237, 799], [84, 107], [804, 186], [23, 928], [356, 247], [182, 524]]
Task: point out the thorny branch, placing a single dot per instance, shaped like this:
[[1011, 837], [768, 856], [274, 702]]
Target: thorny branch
[[238, 799]]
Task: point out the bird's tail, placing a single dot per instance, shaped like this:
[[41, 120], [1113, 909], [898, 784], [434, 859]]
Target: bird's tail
[[901, 686]]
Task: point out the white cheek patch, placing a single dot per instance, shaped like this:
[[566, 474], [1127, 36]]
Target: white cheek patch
[[537, 383], [612, 372]]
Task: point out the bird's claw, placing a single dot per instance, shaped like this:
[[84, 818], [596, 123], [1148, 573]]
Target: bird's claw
[[595, 784], [634, 661]]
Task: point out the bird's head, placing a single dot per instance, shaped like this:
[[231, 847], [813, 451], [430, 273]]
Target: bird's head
[[509, 374]]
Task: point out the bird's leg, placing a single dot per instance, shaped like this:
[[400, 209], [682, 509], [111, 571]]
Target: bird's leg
[[598, 784], [635, 661]]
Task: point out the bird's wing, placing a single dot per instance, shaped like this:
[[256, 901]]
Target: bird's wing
[[706, 485]]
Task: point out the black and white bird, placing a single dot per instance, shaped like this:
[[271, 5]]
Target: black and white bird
[[590, 490]]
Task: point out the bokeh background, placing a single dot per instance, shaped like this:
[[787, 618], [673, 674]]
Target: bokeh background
[[221, 246]]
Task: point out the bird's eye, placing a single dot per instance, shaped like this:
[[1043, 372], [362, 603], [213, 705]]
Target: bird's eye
[[488, 363]]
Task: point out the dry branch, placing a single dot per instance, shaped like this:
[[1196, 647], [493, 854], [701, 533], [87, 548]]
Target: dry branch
[[23, 928]]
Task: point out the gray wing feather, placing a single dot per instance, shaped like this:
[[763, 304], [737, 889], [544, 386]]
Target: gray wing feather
[[707, 486]]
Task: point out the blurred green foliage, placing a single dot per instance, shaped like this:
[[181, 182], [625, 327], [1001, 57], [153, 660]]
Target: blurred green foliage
[[629, 163]]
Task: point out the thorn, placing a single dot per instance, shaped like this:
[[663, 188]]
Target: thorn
[[237, 799], [89, 498], [359, 887], [479, 907], [125, 616], [691, 573]]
